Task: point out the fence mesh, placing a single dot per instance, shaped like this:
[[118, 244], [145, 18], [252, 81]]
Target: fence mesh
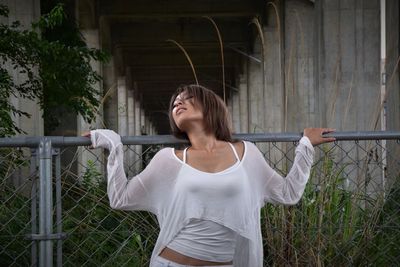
[[348, 215]]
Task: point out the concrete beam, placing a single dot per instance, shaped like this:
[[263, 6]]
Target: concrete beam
[[140, 9]]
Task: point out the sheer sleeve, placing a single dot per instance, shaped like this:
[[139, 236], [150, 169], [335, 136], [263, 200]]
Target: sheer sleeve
[[139, 192], [274, 188]]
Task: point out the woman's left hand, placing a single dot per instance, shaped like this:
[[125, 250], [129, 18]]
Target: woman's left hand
[[316, 135]]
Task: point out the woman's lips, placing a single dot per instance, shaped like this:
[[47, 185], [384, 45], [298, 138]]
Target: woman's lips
[[180, 110]]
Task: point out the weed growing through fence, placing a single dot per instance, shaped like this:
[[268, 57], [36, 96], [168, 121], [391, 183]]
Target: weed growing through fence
[[331, 225], [99, 235], [14, 209]]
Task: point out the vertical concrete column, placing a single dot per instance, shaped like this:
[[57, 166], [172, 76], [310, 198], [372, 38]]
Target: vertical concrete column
[[229, 105], [348, 74], [123, 113], [392, 44], [137, 117], [131, 130], [300, 97], [91, 36], [243, 101], [110, 95], [131, 113], [147, 125], [274, 90], [122, 106], [152, 129], [138, 148], [255, 94], [130, 105], [137, 109], [235, 112], [110, 105], [348, 64], [142, 121], [392, 88], [26, 12]]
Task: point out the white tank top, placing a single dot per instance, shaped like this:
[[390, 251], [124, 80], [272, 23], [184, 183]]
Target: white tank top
[[203, 239]]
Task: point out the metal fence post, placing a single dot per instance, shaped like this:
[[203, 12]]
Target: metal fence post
[[58, 207], [45, 203], [34, 191]]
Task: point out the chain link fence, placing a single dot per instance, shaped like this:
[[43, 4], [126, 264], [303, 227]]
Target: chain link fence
[[54, 207]]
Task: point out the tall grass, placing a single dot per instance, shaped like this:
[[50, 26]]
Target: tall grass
[[330, 226]]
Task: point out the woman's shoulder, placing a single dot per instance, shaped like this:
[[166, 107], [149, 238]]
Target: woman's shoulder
[[178, 153], [168, 155], [165, 152], [239, 147], [246, 147]]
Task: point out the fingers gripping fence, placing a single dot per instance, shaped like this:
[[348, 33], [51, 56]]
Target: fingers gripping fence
[[349, 213]]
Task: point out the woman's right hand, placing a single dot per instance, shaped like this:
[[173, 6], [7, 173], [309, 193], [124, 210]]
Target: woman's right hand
[[316, 135], [103, 138], [87, 134]]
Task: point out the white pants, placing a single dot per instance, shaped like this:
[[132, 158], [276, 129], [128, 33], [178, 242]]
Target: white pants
[[161, 262]]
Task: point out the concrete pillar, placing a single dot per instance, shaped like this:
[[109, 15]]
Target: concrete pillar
[[147, 125], [26, 12], [300, 96], [392, 45], [92, 40], [348, 63], [152, 129], [137, 117], [243, 100], [131, 113], [235, 112], [255, 93], [348, 74], [274, 72], [111, 71], [110, 95], [131, 131], [392, 89], [229, 105], [123, 114], [122, 106], [142, 121], [91, 36], [138, 148]]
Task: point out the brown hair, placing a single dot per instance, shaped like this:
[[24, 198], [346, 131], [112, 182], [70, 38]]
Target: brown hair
[[215, 112]]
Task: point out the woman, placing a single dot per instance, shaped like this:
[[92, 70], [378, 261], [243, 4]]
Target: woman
[[207, 197]]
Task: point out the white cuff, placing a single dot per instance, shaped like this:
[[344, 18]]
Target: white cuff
[[306, 141]]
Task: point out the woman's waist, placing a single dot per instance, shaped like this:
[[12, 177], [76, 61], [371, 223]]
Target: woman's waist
[[179, 258]]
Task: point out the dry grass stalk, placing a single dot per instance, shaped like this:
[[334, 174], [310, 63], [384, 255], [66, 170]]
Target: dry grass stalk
[[187, 57], [222, 54], [382, 102]]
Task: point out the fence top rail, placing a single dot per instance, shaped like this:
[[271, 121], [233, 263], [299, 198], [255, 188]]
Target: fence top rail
[[63, 141]]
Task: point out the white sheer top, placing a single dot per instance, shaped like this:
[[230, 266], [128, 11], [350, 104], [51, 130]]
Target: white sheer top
[[167, 188], [205, 239]]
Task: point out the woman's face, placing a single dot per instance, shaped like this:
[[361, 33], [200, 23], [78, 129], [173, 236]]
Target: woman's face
[[185, 111]]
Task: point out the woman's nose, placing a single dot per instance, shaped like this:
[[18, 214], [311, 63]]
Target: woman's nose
[[178, 102]]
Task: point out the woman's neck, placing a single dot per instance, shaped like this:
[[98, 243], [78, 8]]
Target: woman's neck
[[200, 140]]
